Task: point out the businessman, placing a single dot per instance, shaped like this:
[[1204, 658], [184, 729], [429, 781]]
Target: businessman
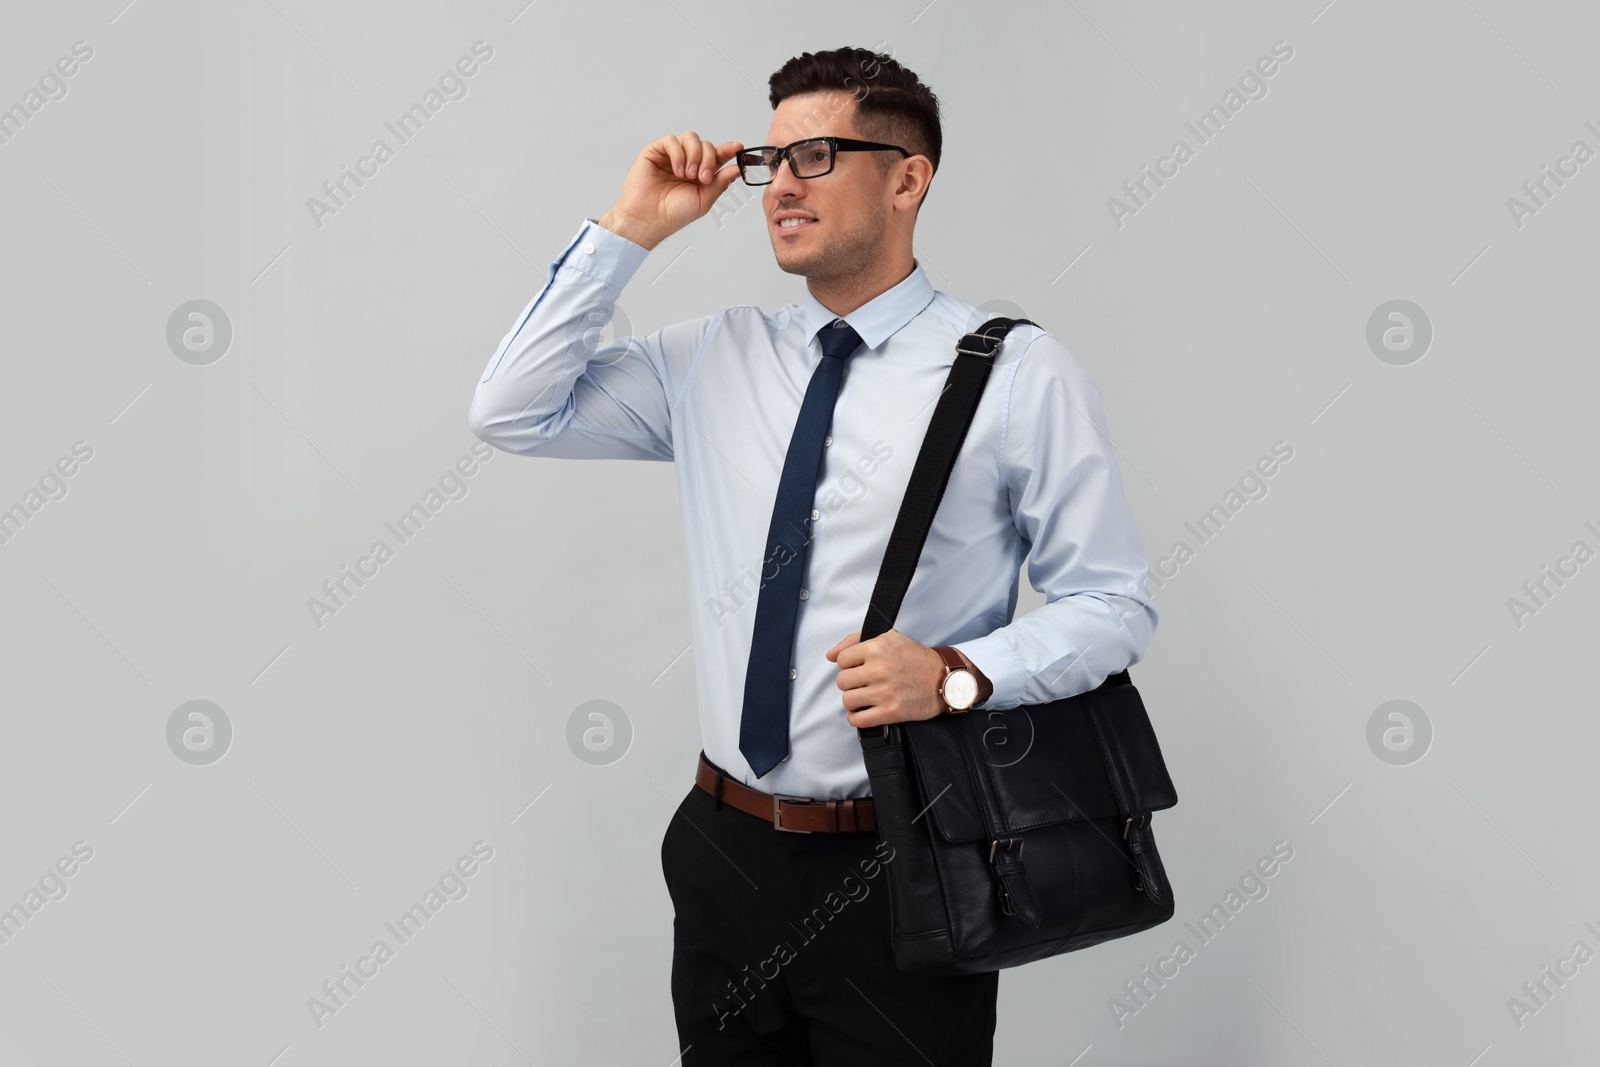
[[794, 433]]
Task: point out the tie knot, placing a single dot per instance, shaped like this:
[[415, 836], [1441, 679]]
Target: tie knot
[[839, 339]]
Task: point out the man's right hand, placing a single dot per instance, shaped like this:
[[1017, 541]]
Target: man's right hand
[[672, 182]]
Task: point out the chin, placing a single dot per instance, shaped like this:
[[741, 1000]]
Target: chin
[[792, 264]]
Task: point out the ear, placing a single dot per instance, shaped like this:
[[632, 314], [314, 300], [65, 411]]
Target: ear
[[916, 172]]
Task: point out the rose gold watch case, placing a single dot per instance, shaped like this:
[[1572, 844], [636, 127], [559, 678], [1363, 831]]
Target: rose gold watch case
[[953, 665]]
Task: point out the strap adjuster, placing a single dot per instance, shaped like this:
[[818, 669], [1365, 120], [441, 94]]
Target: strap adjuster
[[961, 346]]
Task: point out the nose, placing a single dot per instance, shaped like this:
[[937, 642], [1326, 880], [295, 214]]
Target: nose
[[784, 183]]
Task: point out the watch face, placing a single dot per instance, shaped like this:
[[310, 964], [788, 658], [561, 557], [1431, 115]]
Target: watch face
[[960, 689]]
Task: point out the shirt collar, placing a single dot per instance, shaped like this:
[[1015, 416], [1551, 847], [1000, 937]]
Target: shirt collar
[[880, 317]]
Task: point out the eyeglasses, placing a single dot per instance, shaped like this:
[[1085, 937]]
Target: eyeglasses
[[810, 158]]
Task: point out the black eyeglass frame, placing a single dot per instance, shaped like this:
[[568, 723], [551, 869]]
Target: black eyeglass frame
[[837, 144]]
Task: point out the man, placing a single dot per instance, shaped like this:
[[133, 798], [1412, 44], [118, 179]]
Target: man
[[794, 435]]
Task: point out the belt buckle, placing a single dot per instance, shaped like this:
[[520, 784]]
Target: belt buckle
[[776, 797]]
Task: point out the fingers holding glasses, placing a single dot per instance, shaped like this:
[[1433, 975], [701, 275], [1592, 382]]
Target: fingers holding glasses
[[693, 158], [698, 157], [673, 148], [677, 151], [708, 162], [673, 181], [688, 154]]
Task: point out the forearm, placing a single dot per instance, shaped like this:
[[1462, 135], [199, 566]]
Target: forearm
[[1063, 648]]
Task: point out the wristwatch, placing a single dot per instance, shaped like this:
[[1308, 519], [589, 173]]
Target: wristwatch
[[959, 689]]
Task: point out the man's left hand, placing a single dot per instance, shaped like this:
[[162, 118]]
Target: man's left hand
[[890, 678]]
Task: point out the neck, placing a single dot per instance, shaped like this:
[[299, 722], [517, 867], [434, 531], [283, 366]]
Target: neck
[[845, 294]]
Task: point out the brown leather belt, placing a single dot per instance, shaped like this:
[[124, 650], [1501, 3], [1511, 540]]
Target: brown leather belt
[[802, 815]]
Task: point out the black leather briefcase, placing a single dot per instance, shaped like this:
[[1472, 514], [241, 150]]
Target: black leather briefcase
[[1022, 833]]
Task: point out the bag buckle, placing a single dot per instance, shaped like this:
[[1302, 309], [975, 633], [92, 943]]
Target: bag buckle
[[1006, 903], [1127, 824], [995, 844], [776, 797]]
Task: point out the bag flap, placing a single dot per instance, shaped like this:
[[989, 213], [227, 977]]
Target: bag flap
[[1039, 764], [1134, 754]]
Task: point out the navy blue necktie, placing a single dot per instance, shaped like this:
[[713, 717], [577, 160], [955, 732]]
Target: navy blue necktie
[[764, 725]]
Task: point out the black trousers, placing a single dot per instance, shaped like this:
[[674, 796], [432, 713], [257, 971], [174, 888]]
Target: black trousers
[[781, 953]]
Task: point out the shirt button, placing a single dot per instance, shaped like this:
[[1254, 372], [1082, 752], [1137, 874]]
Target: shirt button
[[589, 248], [828, 440], [804, 593], [793, 673], [815, 514]]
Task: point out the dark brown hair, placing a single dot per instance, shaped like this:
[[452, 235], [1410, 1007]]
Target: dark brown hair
[[892, 104]]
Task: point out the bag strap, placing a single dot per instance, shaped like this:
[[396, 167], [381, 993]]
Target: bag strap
[[952, 417]]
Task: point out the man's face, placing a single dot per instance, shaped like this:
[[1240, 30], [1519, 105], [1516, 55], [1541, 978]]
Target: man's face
[[848, 204]]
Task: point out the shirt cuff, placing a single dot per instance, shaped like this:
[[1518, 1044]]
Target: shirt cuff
[[994, 657], [608, 256]]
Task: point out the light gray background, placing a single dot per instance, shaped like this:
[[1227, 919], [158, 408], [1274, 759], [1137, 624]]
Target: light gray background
[[369, 753]]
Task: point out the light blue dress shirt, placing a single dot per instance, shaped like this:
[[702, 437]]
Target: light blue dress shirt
[[719, 396]]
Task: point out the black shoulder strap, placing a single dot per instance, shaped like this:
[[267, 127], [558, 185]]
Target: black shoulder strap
[[952, 417]]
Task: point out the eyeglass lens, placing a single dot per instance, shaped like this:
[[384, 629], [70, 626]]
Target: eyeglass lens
[[808, 159]]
